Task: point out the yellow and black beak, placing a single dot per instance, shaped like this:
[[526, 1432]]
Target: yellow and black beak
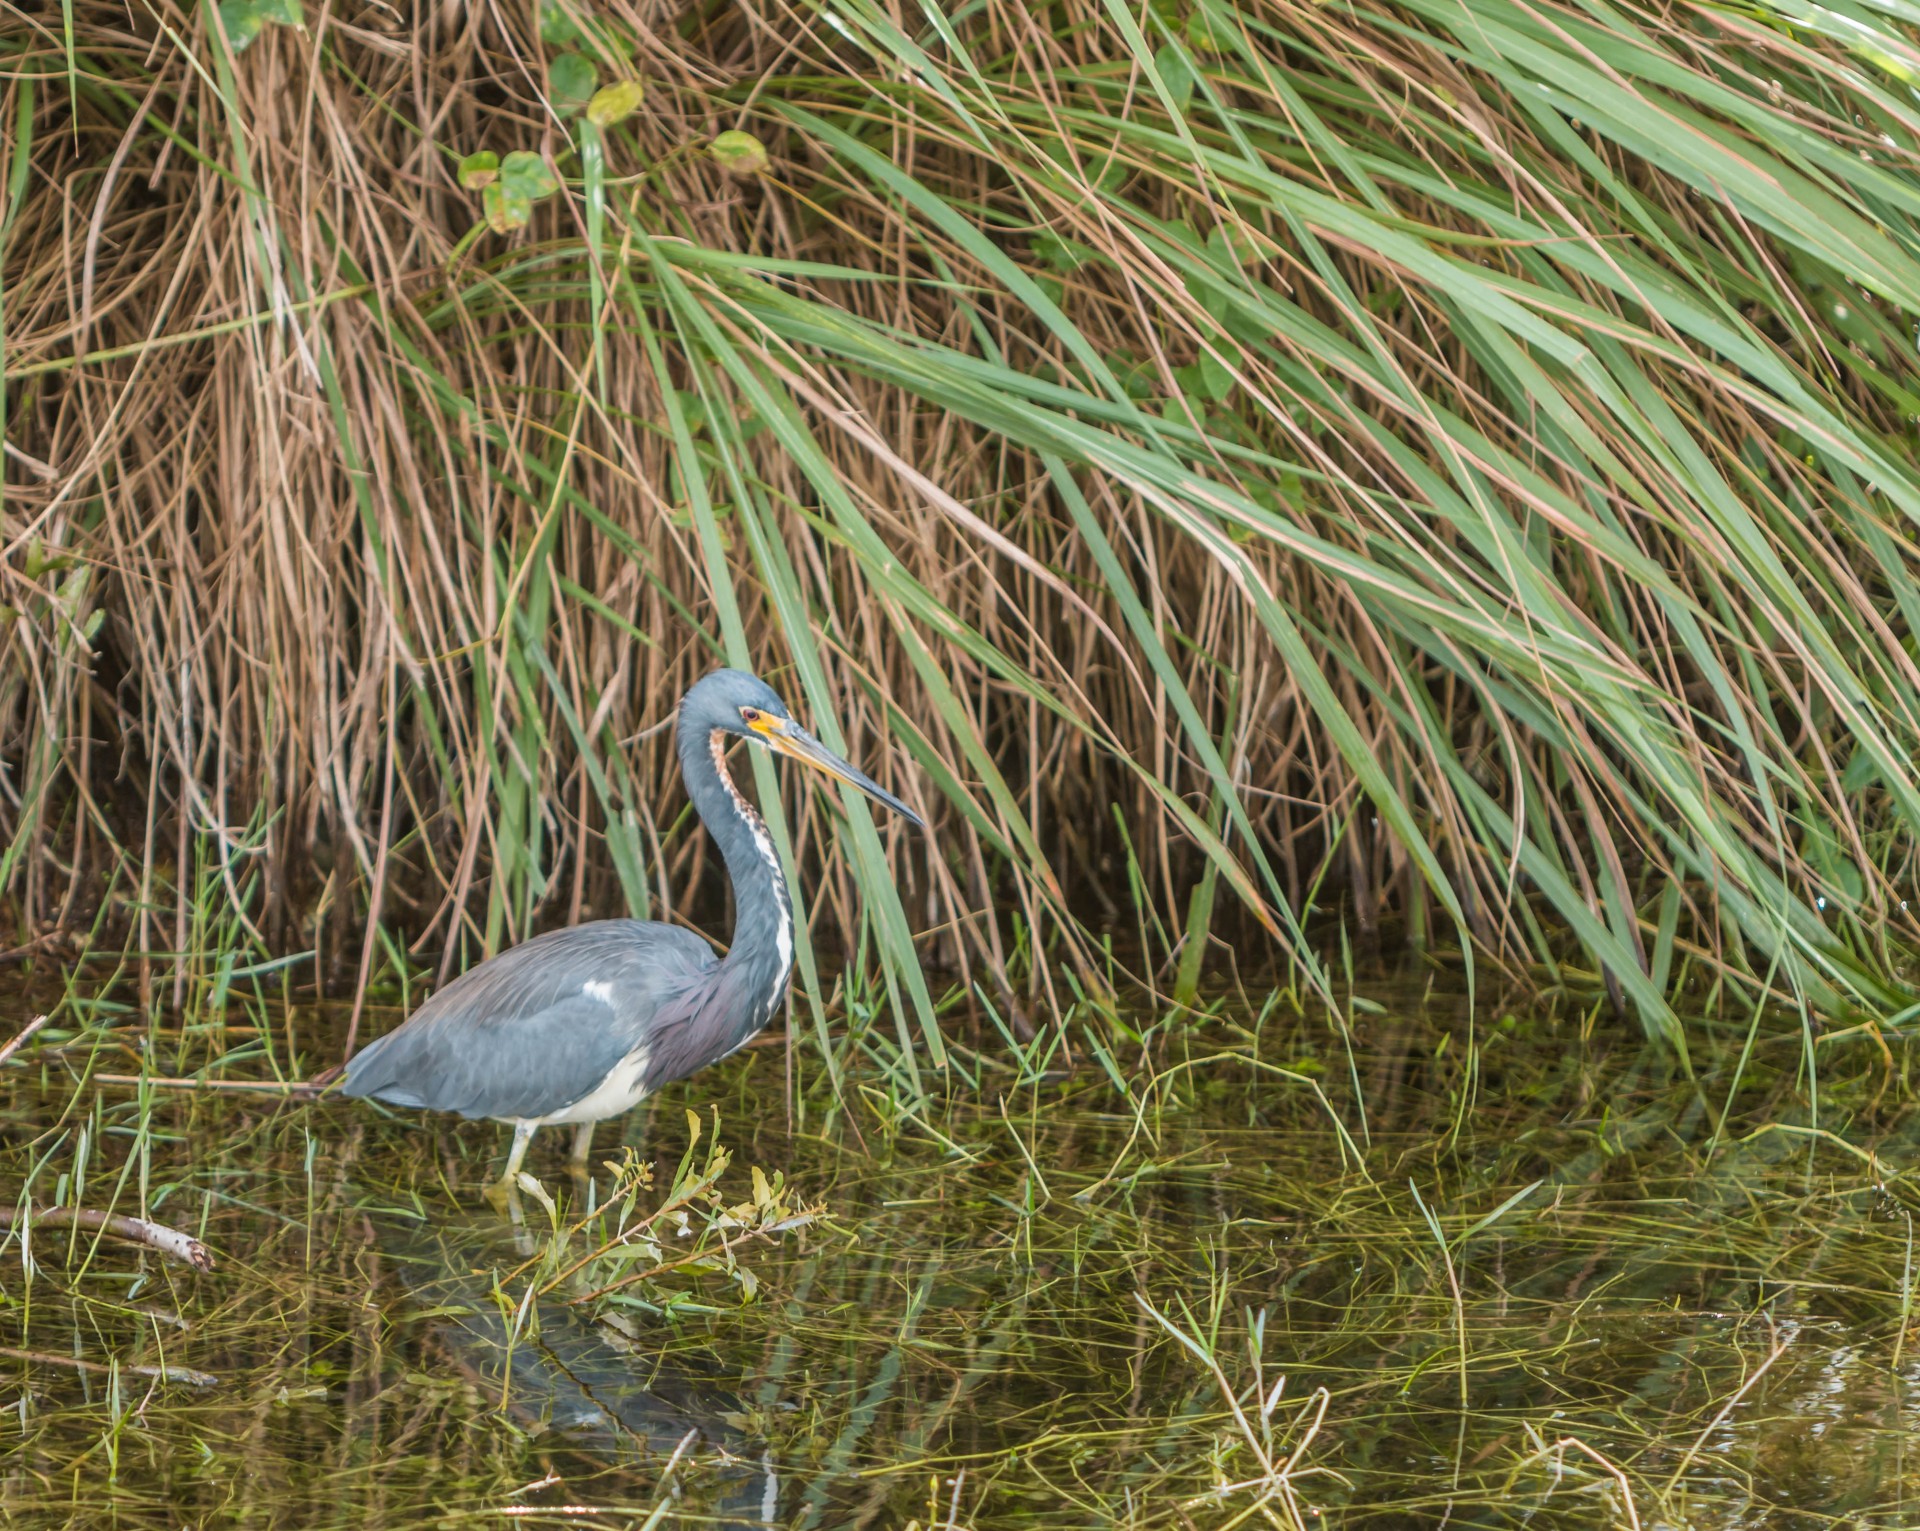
[[786, 737]]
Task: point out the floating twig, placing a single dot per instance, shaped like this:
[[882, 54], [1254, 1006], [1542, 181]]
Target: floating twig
[[170, 1242], [16, 1043], [160, 1373]]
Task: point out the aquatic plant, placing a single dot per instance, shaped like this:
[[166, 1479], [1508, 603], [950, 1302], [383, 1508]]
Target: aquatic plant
[[624, 1252], [1560, 1286]]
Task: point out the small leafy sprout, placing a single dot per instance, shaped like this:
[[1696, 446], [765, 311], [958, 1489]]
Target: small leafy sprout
[[692, 1232], [574, 80], [522, 181], [615, 103], [739, 154], [39, 561], [479, 170], [242, 20]]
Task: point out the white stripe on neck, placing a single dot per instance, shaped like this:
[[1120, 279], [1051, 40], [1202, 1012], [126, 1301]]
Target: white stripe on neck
[[762, 842]]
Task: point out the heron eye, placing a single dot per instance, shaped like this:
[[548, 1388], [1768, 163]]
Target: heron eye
[[749, 715]]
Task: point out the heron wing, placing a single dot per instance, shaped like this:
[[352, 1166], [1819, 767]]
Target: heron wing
[[538, 1027]]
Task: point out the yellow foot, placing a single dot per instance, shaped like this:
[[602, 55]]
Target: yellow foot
[[504, 1196]]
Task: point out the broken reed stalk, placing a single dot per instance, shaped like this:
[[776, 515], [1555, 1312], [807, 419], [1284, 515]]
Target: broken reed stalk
[[170, 1242], [20, 1038]]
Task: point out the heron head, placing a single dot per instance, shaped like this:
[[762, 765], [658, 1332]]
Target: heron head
[[734, 702]]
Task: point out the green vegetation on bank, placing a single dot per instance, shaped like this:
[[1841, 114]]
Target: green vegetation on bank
[[1445, 465]]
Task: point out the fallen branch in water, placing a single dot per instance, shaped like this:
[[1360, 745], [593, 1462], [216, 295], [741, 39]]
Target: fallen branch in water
[[18, 1042], [168, 1241], [163, 1373]]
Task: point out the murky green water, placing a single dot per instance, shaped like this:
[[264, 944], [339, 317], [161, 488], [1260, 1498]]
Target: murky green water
[[1615, 1316]]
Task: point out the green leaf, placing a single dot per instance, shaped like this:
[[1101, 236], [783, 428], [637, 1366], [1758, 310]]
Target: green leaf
[[1176, 71], [1204, 35], [1061, 254], [1862, 772], [506, 209], [525, 174], [572, 80], [1215, 380], [241, 21], [739, 153], [558, 29], [479, 169], [615, 103], [1107, 171]]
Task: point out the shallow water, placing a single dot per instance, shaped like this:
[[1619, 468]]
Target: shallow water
[[1615, 1315]]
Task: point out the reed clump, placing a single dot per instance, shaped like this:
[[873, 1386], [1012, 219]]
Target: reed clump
[[1448, 463]]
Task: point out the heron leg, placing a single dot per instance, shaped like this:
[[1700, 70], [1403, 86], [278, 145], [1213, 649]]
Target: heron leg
[[582, 1147], [503, 1188], [522, 1135]]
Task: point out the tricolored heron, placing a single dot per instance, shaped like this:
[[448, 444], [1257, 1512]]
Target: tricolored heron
[[581, 1024]]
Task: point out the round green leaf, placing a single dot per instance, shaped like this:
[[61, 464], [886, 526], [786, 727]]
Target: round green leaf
[[614, 103], [558, 29], [525, 175], [739, 153], [573, 81], [479, 169], [241, 21], [1216, 382], [506, 209], [1176, 73]]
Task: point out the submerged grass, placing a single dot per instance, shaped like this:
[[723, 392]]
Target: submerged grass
[[1452, 462], [1596, 1299]]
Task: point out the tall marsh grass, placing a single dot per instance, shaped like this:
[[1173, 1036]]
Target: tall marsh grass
[[1449, 464]]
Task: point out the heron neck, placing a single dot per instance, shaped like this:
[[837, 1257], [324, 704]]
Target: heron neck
[[762, 944]]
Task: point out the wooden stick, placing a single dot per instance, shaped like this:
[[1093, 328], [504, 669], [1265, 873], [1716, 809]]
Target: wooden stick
[[163, 1373], [18, 1042], [170, 1242]]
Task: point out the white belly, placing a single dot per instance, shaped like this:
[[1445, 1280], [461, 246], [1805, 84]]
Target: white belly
[[620, 1091]]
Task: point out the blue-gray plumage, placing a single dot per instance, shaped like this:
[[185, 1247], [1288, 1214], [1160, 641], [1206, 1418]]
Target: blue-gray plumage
[[579, 1025]]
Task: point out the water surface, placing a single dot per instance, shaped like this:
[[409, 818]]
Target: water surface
[[1538, 1281]]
